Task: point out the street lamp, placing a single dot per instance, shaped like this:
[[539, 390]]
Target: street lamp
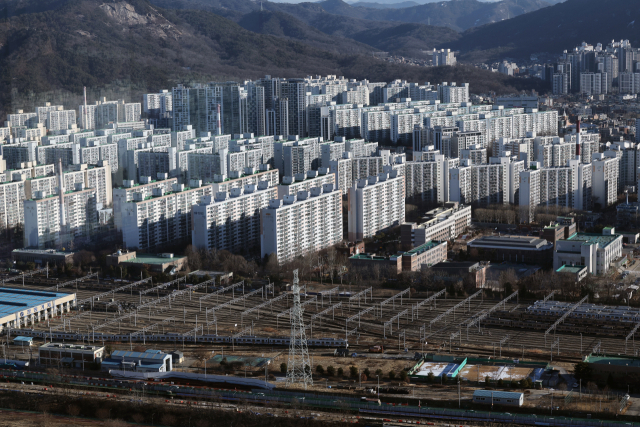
[[378, 386]]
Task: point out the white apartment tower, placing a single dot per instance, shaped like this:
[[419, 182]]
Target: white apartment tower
[[375, 204], [300, 224], [231, 221], [604, 179], [161, 219]]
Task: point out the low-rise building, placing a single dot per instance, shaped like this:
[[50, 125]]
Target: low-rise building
[[472, 270], [578, 272], [372, 265], [149, 361], [160, 263], [594, 251], [444, 223], [42, 256], [427, 254], [58, 354], [497, 397], [519, 249]]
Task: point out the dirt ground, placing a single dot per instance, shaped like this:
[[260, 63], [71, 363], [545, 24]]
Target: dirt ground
[[26, 419]]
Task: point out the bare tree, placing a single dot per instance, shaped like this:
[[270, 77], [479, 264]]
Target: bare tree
[[331, 259]]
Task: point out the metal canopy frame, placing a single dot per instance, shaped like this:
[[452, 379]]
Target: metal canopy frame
[[71, 282], [223, 290], [564, 316], [415, 309]]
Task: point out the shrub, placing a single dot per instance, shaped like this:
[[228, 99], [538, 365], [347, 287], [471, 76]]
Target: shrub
[[320, 369], [331, 371], [340, 372], [392, 375], [283, 368]]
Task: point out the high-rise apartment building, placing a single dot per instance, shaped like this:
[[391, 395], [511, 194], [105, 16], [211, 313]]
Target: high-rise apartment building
[[375, 204], [301, 224], [161, 219], [231, 221]]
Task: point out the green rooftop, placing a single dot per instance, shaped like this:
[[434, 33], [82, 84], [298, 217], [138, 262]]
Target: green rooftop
[[423, 248], [593, 238], [575, 269], [151, 259], [630, 361]]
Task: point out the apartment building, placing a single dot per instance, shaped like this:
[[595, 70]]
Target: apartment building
[[460, 184], [474, 155], [422, 181], [604, 177], [222, 183], [292, 185], [162, 218], [11, 203], [60, 119], [231, 221], [529, 193], [125, 194], [300, 224], [375, 204], [490, 182], [343, 171], [331, 151], [54, 220]]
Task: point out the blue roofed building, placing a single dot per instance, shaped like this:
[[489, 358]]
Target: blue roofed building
[[20, 308], [148, 361]]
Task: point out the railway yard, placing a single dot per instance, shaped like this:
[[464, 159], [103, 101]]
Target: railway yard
[[237, 316], [238, 320]]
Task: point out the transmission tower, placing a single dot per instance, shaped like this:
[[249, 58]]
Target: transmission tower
[[298, 368]]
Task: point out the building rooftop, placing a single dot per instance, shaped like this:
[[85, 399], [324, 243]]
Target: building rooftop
[[14, 300], [592, 238], [138, 355], [422, 248], [575, 269], [510, 242], [369, 257], [455, 265], [71, 346], [42, 252], [151, 259], [633, 362]]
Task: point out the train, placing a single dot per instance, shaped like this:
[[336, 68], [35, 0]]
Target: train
[[175, 337]]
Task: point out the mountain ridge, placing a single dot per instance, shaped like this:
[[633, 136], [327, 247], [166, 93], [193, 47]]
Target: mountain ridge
[[552, 30]]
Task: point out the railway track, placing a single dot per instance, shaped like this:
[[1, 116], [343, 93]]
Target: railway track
[[481, 341]]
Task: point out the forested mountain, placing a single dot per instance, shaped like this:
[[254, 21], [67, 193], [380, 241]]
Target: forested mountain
[[554, 29]]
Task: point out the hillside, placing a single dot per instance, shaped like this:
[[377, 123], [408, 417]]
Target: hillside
[[134, 44], [554, 29], [371, 5], [283, 25], [412, 40], [306, 22], [458, 15]]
